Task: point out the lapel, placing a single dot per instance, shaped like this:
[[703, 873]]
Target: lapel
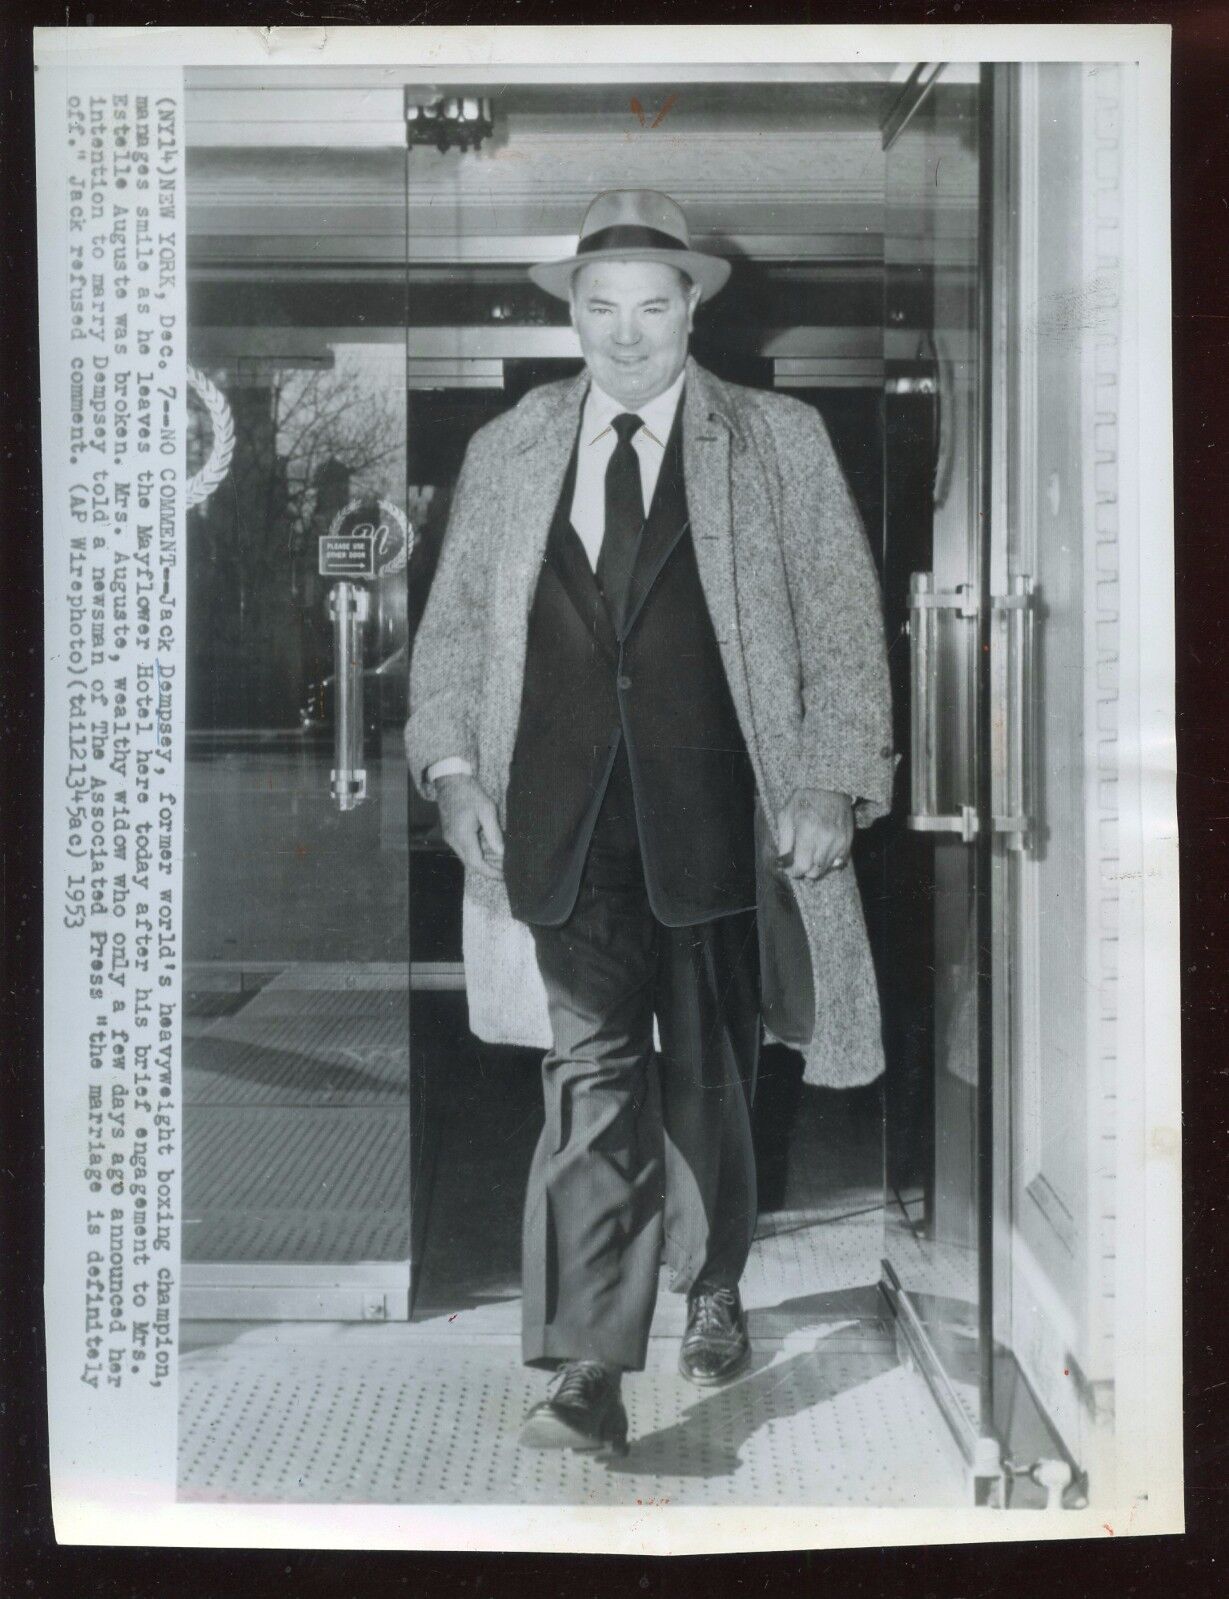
[[570, 564], [710, 431], [713, 438], [664, 526], [540, 454]]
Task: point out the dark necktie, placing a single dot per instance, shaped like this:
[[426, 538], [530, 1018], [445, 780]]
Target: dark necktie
[[624, 517]]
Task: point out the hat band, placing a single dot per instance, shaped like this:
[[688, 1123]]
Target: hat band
[[629, 236]]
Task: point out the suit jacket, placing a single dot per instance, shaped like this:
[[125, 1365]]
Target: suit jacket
[[794, 602], [638, 690]]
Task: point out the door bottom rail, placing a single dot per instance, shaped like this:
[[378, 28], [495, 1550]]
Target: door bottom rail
[[994, 1472], [982, 1455], [277, 1291]]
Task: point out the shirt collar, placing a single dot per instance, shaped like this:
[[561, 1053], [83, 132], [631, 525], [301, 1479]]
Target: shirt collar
[[657, 414]]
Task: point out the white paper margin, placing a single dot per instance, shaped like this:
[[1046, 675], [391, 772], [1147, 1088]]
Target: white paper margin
[[115, 1483]]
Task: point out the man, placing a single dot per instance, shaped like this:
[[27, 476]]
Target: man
[[654, 608]]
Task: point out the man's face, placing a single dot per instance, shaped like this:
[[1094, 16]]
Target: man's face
[[633, 319]]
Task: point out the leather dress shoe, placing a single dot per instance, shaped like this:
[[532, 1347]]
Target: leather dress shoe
[[582, 1411], [716, 1346]]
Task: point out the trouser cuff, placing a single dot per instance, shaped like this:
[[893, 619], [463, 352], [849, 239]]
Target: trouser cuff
[[545, 1348]]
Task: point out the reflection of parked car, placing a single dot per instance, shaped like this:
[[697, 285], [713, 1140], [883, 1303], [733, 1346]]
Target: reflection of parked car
[[384, 696]]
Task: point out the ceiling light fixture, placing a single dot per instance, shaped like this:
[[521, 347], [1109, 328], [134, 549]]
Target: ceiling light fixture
[[448, 122]]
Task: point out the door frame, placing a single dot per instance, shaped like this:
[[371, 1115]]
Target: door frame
[[975, 1438], [1016, 1435]]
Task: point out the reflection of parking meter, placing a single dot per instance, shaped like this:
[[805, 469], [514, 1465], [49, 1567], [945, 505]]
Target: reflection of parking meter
[[366, 540]]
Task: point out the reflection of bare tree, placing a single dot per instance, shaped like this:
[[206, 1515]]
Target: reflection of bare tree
[[330, 419], [306, 440]]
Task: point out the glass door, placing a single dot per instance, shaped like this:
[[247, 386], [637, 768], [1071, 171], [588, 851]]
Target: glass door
[[296, 1034], [938, 1144], [479, 1104]]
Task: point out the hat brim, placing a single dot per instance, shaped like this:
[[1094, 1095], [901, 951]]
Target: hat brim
[[710, 272]]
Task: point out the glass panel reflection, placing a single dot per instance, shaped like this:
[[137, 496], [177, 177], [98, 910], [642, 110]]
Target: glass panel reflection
[[297, 983], [932, 526]]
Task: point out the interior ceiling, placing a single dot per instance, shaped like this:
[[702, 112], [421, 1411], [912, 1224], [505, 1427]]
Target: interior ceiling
[[546, 79], [778, 169], [267, 110], [726, 101]]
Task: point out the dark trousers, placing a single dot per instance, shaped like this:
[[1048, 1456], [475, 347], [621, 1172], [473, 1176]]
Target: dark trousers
[[640, 1156]]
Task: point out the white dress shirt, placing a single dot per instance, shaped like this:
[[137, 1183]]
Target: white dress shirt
[[596, 445]]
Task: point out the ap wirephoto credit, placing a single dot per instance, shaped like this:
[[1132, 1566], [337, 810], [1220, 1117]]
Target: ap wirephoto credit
[[611, 871]]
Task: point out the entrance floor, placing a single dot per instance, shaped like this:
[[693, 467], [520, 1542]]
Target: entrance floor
[[427, 1411]]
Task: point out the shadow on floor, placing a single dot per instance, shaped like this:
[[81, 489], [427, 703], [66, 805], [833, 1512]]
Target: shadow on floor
[[708, 1440], [213, 1065], [862, 1304]]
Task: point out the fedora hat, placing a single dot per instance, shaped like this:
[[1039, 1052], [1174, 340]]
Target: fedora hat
[[634, 225]]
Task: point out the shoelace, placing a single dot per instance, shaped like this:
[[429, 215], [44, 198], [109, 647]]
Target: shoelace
[[578, 1383], [714, 1311]]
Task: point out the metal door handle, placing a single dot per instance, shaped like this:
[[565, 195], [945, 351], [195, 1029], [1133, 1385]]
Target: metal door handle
[[1011, 763], [349, 608], [924, 607]]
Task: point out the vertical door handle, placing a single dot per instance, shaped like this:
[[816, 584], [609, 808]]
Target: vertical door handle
[[349, 608], [925, 603], [1011, 763]]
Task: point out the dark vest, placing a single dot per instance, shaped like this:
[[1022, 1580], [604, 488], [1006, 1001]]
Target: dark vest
[[652, 694]]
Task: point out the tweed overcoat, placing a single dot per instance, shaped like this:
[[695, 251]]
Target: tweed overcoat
[[791, 589]]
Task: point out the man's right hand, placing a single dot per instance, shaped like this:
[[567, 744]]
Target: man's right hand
[[470, 824]]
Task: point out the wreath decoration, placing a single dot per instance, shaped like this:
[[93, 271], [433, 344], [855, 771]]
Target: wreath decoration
[[389, 508], [222, 442]]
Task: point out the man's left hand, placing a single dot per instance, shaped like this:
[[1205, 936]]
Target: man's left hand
[[815, 830]]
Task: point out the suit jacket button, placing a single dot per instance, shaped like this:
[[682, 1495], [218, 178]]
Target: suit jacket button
[[886, 751], [625, 682]]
